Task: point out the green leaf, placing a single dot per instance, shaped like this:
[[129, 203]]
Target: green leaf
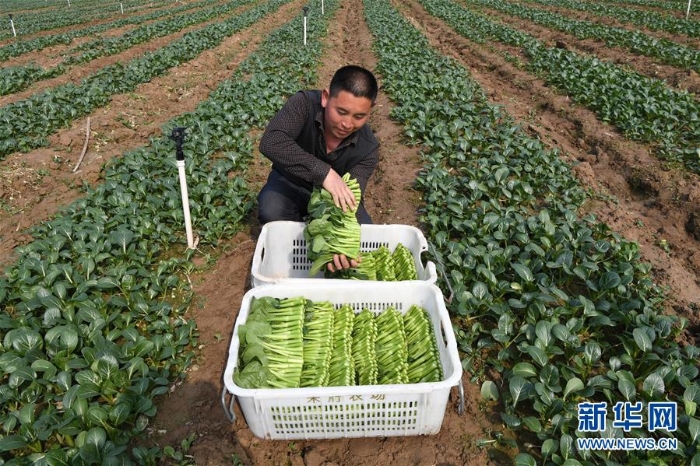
[[519, 389], [609, 281], [533, 424], [12, 442], [694, 429], [538, 355], [566, 443], [524, 459], [480, 290], [96, 436], [543, 331], [627, 389], [573, 385], [654, 385], [525, 369], [642, 339], [523, 271], [549, 446], [489, 391], [122, 237]]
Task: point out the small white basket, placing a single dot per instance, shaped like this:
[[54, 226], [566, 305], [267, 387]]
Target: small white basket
[[357, 411], [280, 253]]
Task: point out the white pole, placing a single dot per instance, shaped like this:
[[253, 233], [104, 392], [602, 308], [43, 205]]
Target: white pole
[[12, 23], [322, 7], [68, 2], [185, 203], [687, 13], [121, 5], [306, 10]]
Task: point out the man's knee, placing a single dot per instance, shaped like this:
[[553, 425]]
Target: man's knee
[[274, 206]]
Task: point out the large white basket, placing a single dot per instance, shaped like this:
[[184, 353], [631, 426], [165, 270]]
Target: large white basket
[[280, 253], [359, 411]]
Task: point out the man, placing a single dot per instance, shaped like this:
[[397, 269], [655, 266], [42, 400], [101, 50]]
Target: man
[[315, 139]]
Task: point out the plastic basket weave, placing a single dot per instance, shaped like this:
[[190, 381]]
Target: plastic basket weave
[[280, 253], [357, 411]]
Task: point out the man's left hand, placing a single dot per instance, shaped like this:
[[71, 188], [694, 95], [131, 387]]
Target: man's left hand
[[341, 262]]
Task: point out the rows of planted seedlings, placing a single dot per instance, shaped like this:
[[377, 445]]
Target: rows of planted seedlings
[[639, 17], [28, 22], [24, 125], [560, 306], [22, 46], [93, 317], [15, 79], [661, 4], [642, 108], [666, 51], [664, 5]]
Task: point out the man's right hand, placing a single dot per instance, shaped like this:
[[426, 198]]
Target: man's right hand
[[343, 197]]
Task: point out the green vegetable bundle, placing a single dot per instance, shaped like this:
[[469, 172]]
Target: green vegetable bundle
[[390, 348], [294, 342], [364, 335], [423, 356], [331, 231], [383, 265], [272, 338], [318, 333], [342, 366]]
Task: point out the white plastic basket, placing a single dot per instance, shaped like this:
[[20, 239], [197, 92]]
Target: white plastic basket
[[280, 253], [359, 411]]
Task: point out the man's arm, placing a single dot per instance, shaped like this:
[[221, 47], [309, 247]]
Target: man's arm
[[278, 142]]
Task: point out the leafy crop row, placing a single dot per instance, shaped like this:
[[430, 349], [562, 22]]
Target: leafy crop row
[[25, 124], [89, 330], [23, 46], [112, 45], [643, 18], [559, 305], [644, 109], [32, 22], [667, 51], [666, 5]]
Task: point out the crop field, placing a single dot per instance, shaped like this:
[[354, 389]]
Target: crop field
[[549, 151]]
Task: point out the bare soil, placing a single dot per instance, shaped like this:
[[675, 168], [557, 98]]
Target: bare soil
[[636, 195]]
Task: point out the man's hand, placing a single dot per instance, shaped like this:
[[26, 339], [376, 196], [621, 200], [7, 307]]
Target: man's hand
[[340, 262], [342, 195]]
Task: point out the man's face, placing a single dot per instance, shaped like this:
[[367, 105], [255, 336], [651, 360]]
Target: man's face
[[344, 113]]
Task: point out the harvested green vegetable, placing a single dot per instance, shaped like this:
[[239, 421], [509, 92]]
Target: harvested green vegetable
[[404, 265], [272, 338], [364, 335], [294, 342], [382, 265], [390, 348], [342, 366], [423, 355], [318, 332], [331, 231]]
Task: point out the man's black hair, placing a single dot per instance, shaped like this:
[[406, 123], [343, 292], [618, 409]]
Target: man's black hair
[[356, 80]]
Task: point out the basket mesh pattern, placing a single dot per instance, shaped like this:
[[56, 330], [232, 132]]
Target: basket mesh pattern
[[328, 415], [301, 262]]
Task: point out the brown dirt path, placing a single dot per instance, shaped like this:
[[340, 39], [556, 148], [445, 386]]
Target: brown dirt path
[[634, 193], [219, 292], [34, 186]]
